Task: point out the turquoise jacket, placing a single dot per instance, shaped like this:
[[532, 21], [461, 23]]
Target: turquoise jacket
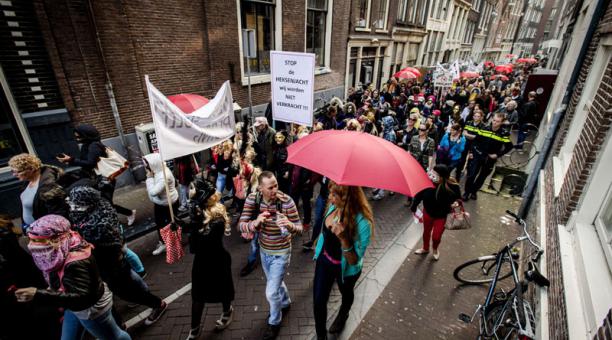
[[360, 244]]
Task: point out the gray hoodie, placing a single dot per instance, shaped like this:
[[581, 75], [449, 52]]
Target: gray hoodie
[[155, 184]]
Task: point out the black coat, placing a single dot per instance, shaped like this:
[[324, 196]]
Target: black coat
[[50, 197], [211, 274], [83, 287], [437, 203], [18, 269], [91, 150]]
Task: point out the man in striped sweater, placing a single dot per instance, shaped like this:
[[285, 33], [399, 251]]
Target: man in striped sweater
[[274, 216]]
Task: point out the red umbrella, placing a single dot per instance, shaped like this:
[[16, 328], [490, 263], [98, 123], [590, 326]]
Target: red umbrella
[[489, 64], [527, 60], [188, 102], [407, 73], [510, 55], [413, 70], [468, 74], [359, 159], [503, 68], [503, 77]]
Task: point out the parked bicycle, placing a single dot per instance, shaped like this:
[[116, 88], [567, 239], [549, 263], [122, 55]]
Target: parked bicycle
[[504, 315]]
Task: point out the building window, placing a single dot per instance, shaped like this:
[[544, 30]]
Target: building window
[[11, 142], [260, 16], [380, 61], [381, 15], [368, 58], [316, 26], [352, 71], [363, 12]]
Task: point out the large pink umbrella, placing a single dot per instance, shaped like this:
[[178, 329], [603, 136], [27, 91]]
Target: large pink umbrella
[[359, 159], [188, 102]]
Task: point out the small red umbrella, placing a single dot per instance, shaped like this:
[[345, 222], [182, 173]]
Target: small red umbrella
[[503, 77], [510, 55], [406, 74], [527, 60], [468, 74], [489, 64], [503, 68], [188, 102], [413, 70], [359, 159]]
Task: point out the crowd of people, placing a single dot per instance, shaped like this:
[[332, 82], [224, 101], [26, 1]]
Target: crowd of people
[[76, 257]]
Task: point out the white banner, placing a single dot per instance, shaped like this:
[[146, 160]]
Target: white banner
[[179, 134], [292, 86]]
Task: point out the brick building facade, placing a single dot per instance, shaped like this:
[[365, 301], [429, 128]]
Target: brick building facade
[[576, 187], [96, 50]]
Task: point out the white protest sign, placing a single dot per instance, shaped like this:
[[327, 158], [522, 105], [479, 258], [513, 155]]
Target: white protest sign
[[442, 77], [292, 86], [179, 134]]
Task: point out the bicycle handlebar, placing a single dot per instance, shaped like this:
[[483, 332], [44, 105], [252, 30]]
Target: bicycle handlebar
[[527, 236]]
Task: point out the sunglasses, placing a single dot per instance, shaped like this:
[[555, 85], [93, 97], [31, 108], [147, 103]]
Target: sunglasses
[[413, 119], [422, 129]]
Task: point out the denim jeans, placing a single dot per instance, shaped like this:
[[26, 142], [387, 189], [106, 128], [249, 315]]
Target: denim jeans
[[183, 194], [522, 135], [102, 327], [253, 249], [319, 216], [274, 267], [221, 178], [132, 258]]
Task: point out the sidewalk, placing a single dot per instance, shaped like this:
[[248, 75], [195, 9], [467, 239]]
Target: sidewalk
[[423, 300], [251, 308]]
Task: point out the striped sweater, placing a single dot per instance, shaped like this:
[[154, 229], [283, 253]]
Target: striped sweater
[[271, 240]]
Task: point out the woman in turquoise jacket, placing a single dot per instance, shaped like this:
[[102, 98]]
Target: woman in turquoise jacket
[[348, 228]]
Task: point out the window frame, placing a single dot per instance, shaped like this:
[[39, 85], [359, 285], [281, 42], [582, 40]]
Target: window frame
[[18, 119], [278, 41], [368, 17], [326, 68], [385, 18]]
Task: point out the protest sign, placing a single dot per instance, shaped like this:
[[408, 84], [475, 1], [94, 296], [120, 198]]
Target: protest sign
[[179, 134], [292, 86], [442, 77]]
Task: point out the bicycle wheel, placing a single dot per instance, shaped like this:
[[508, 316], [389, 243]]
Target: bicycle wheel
[[481, 270], [522, 156], [498, 321]]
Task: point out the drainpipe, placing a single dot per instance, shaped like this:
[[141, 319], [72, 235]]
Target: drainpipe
[[559, 114], [109, 85]]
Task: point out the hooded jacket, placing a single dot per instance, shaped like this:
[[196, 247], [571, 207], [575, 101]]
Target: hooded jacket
[[91, 149], [155, 185]]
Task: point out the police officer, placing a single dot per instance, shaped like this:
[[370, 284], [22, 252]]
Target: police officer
[[490, 143]]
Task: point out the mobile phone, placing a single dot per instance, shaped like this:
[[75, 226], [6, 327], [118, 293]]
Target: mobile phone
[[60, 155]]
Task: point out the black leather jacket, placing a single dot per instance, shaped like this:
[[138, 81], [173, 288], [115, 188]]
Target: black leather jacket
[[82, 287]]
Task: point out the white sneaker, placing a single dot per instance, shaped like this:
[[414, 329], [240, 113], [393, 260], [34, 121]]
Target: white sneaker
[[131, 218], [436, 255], [160, 249]]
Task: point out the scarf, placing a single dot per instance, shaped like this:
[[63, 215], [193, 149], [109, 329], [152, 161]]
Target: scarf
[[53, 245], [94, 217]]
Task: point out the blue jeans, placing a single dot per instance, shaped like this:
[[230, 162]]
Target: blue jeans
[[274, 267], [522, 135], [319, 215], [221, 178], [253, 249], [132, 258], [103, 327]]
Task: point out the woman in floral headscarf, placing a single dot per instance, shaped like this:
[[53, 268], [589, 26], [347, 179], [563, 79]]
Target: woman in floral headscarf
[[65, 259]]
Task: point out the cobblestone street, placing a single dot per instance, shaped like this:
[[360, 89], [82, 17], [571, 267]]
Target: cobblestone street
[[422, 300]]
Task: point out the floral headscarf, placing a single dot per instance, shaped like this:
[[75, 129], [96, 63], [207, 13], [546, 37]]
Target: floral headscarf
[[53, 245]]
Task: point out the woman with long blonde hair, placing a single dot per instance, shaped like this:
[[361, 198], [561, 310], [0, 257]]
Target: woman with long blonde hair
[[211, 273], [348, 227]]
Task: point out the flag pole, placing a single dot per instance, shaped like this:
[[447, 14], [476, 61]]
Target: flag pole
[[163, 161]]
